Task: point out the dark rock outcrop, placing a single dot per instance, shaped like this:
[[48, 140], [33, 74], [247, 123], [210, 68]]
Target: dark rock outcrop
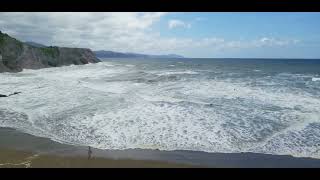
[[16, 55], [15, 93]]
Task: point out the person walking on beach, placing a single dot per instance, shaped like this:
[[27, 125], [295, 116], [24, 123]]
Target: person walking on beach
[[89, 153]]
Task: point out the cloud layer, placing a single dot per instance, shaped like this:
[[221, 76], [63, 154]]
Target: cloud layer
[[127, 32], [175, 23], [115, 31]]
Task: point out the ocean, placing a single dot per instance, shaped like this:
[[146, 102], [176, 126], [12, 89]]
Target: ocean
[[269, 106]]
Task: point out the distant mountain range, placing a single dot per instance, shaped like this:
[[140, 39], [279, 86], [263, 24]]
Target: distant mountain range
[[113, 54], [34, 44]]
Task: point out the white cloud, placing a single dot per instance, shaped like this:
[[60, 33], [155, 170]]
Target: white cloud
[[175, 23], [128, 32], [265, 41], [114, 31], [220, 43], [200, 19]]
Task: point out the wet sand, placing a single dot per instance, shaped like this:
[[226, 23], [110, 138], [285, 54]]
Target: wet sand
[[18, 149], [21, 159]]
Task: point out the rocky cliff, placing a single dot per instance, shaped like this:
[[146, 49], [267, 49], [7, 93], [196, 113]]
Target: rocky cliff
[[16, 55]]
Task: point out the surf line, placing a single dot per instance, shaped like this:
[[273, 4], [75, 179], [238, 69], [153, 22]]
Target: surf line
[[27, 163]]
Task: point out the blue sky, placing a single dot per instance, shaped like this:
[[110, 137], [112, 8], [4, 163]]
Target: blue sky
[[238, 35], [303, 27]]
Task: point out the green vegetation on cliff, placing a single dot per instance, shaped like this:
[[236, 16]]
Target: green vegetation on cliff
[[1, 38], [51, 51], [6, 39]]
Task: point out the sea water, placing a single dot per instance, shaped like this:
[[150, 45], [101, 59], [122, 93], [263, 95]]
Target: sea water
[[267, 106]]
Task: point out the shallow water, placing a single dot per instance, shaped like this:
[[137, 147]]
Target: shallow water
[[230, 105]]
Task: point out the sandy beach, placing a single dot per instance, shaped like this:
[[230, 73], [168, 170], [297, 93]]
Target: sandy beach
[[20, 150], [20, 159], [159, 90]]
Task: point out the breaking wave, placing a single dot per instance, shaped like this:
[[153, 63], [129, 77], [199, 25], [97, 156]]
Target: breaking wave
[[114, 106]]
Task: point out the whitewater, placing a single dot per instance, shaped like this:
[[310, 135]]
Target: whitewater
[[198, 105]]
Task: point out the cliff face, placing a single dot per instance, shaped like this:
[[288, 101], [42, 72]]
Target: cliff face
[[16, 55]]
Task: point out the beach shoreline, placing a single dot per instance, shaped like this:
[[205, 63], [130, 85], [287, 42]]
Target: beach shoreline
[[21, 150], [21, 159], [16, 147]]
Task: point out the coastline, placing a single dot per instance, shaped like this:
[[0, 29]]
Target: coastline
[[21, 150], [17, 148], [22, 159]]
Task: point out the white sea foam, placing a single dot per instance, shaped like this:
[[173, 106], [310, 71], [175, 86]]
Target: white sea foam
[[129, 65], [176, 73], [105, 107], [315, 79]]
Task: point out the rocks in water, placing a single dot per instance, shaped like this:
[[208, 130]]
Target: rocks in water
[[15, 93]]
